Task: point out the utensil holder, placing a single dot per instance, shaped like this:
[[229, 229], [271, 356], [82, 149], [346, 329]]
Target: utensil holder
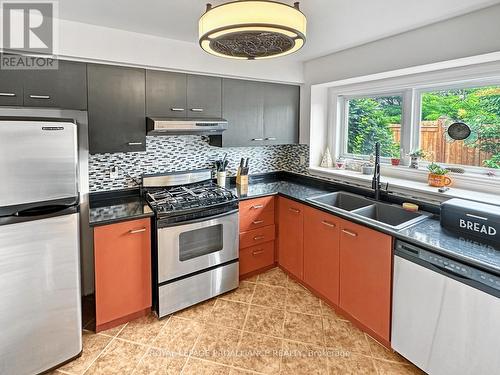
[[221, 179]]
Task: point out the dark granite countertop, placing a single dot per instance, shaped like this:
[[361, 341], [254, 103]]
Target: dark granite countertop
[[110, 207], [113, 207]]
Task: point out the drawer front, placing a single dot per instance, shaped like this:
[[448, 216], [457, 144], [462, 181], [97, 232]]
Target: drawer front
[[257, 205], [256, 257], [257, 236], [256, 219]]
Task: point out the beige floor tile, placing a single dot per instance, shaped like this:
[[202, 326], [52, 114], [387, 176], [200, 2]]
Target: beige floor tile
[[157, 361], [381, 352], [293, 285], [93, 345], [275, 277], [252, 279], [328, 311], [229, 314], [178, 335], [217, 344], [393, 368], [265, 320], [302, 301], [239, 371], [353, 364], [304, 359], [143, 330], [258, 353], [304, 328], [120, 357], [270, 296], [199, 312], [198, 367], [242, 294], [113, 331], [343, 336]]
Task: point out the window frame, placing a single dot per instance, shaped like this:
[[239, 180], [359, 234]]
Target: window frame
[[410, 116]]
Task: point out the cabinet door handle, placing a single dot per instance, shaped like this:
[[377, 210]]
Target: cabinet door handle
[[257, 206], [197, 109], [270, 138], [328, 224], [257, 222], [40, 96], [294, 210], [10, 94], [257, 238], [257, 252], [135, 231], [352, 234], [177, 109], [257, 139], [134, 143]]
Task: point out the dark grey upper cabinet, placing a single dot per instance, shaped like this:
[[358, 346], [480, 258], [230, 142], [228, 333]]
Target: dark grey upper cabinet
[[259, 113], [204, 96], [116, 109], [64, 87], [243, 108], [11, 87], [166, 94], [281, 113]]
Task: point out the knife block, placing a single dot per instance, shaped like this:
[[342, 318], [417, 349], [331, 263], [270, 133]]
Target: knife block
[[241, 179]]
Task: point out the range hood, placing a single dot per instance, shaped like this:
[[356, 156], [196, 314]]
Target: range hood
[[182, 126]]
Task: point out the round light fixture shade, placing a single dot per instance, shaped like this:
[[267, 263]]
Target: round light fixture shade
[[252, 29]]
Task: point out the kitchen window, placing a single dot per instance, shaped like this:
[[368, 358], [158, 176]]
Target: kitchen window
[[371, 119]]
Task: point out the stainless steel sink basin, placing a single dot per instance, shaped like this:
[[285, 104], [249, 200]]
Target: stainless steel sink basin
[[341, 199], [390, 216]]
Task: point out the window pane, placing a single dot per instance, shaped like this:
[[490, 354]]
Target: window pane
[[478, 107], [371, 120]]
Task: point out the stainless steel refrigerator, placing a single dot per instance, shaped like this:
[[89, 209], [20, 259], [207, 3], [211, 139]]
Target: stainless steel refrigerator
[[40, 299]]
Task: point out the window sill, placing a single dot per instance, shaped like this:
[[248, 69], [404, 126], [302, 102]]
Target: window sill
[[412, 183]]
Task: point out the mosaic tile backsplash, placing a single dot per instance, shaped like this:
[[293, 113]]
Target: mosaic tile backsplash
[[177, 153]]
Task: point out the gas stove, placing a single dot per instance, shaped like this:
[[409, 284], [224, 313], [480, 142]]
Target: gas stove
[[182, 196]]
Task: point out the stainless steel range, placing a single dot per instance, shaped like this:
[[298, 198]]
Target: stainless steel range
[[196, 240]]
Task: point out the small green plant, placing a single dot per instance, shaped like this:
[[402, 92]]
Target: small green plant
[[437, 169], [418, 154]]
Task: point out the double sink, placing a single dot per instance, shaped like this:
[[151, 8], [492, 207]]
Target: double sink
[[381, 214]]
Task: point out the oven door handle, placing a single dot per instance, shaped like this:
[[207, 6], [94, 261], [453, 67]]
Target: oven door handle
[[199, 220]]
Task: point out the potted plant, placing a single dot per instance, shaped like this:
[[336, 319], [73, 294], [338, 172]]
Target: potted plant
[[395, 157], [437, 176], [415, 156]]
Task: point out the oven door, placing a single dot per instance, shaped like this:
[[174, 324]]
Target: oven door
[[195, 246]]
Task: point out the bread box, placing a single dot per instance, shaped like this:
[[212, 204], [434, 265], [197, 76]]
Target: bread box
[[472, 219]]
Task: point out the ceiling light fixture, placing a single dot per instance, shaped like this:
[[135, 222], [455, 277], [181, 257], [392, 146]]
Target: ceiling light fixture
[[252, 29]]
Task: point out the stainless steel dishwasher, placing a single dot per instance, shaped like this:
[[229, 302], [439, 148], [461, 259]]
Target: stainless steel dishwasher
[[445, 314]]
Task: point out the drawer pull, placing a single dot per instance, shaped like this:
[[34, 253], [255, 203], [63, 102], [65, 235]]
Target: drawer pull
[[257, 252], [40, 96], [294, 210], [349, 233], [257, 222], [10, 94], [177, 109], [197, 109], [270, 138], [257, 206], [257, 238], [134, 143], [257, 139], [135, 231], [328, 224]]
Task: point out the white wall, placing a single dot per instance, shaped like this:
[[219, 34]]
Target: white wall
[[472, 34], [96, 43]]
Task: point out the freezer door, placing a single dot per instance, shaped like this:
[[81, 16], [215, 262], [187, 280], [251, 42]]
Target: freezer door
[[38, 161], [40, 309]]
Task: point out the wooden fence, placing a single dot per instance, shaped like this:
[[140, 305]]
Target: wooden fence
[[433, 140]]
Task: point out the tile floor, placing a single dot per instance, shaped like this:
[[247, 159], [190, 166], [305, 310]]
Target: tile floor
[[270, 325]]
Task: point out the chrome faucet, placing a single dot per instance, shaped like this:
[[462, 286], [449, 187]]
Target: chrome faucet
[[376, 186]]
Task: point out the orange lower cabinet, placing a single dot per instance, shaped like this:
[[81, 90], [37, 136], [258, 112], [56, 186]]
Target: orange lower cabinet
[[256, 257], [122, 254], [365, 276], [321, 253], [290, 236]]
